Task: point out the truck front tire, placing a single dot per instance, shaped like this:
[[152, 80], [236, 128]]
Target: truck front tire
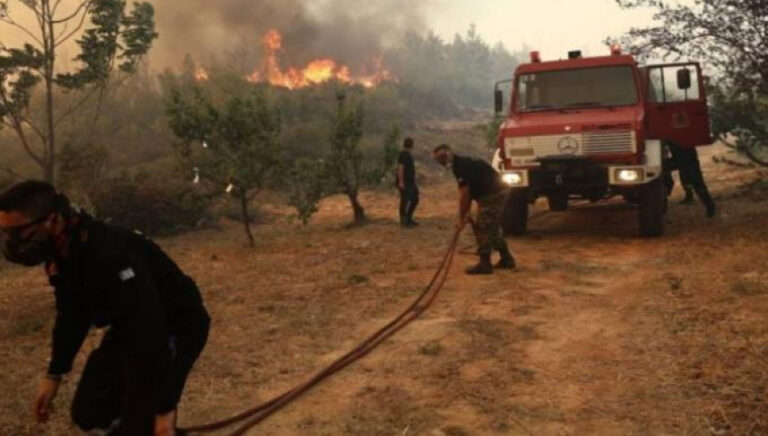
[[514, 217], [651, 208]]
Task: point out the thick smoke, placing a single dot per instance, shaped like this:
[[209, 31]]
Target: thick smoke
[[351, 31]]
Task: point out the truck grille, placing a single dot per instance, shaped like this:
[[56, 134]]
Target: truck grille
[[609, 142], [596, 140]]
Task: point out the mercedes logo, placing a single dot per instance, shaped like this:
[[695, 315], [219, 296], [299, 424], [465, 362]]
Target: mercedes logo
[[568, 145]]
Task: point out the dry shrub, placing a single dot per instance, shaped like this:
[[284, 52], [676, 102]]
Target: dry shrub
[[154, 205]]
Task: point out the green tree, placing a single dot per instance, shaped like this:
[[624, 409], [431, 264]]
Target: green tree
[[113, 41], [730, 36], [347, 167], [441, 76], [233, 144], [306, 187], [381, 166], [344, 162]]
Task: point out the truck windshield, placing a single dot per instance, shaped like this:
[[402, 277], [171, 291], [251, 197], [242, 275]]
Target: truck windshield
[[577, 88]]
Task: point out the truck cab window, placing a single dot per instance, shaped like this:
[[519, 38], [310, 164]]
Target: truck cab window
[[576, 88], [663, 85]]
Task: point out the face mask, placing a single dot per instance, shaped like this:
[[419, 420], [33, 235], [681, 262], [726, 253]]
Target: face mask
[[31, 251]]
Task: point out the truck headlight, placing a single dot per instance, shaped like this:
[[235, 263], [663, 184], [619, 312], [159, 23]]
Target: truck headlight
[[514, 178], [630, 175]]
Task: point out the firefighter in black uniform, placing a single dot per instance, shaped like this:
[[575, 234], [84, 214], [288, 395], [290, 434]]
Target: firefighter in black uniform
[[478, 181], [686, 161], [104, 276], [406, 183]]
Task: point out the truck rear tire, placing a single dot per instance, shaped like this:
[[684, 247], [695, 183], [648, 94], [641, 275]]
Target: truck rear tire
[[651, 207], [514, 217], [558, 202]]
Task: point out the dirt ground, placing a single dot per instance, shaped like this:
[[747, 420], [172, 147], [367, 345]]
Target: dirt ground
[[597, 332]]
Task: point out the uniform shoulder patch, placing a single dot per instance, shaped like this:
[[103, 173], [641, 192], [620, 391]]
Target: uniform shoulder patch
[[127, 274]]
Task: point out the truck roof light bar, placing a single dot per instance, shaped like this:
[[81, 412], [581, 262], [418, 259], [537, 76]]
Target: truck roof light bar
[[574, 54]]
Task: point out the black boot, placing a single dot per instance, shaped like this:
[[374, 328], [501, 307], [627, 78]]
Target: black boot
[[688, 196], [706, 199], [506, 261], [484, 267]]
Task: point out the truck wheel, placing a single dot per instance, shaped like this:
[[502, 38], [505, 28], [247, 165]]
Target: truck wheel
[[558, 203], [652, 205], [514, 217]]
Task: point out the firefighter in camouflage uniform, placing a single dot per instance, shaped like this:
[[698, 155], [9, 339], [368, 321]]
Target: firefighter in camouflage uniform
[[478, 181]]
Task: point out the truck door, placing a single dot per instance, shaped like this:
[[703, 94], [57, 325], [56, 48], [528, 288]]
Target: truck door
[[676, 104]]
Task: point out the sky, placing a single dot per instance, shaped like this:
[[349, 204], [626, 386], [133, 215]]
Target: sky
[[553, 27]]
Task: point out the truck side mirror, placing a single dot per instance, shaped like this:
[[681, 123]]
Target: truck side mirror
[[498, 99], [684, 78]]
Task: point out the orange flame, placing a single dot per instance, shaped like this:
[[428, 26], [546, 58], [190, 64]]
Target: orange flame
[[201, 75], [316, 72]]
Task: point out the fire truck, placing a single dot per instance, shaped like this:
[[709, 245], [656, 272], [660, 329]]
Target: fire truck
[[593, 128]]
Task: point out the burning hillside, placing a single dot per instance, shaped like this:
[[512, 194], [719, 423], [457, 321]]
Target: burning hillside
[[317, 71]]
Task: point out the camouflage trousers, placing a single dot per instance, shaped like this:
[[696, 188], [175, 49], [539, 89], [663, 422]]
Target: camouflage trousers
[[488, 224]]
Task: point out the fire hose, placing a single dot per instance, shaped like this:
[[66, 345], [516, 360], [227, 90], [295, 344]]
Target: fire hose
[[250, 418]]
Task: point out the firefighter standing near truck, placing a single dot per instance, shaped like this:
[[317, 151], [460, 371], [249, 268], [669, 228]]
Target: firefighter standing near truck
[[478, 181], [686, 161], [104, 276]]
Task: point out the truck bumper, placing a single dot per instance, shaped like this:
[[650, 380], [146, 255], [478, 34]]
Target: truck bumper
[[579, 175], [579, 178]]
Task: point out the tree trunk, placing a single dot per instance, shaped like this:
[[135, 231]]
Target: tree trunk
[[49, 40], [357, 208], [246, 218]]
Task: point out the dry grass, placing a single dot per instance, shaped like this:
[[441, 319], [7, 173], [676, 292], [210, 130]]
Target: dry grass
[[598, 332]]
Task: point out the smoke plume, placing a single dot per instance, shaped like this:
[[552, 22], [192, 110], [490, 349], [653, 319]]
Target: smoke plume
[[350, 31]]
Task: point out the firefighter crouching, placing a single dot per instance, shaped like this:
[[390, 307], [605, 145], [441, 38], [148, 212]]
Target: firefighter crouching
[[478, 181], [104, 276]]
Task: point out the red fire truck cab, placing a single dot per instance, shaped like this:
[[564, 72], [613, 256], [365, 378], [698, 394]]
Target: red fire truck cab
[[595, 128]]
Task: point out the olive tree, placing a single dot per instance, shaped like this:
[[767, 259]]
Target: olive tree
[[233, 143]]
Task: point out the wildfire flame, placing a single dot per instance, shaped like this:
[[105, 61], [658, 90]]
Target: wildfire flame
[[315, 72], [201, 75]]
